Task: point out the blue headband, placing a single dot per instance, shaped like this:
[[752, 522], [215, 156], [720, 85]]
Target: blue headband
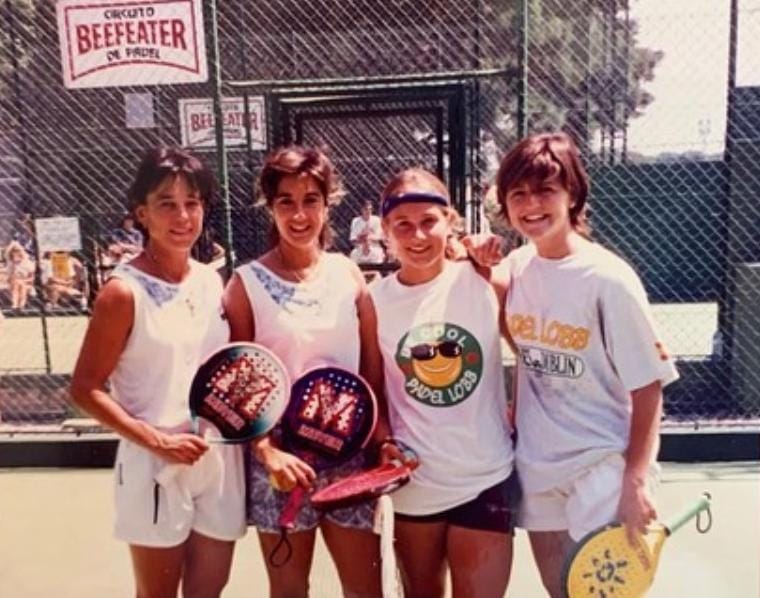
[[392, 201]]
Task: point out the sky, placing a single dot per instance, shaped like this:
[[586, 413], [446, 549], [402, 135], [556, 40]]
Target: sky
[[689, 110]]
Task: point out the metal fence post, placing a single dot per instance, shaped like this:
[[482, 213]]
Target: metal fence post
[[215, 74], [522, 89]]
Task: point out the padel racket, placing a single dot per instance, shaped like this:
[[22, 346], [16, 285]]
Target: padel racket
[[383, 479], [329, 419], [242, 390], [605, 565]]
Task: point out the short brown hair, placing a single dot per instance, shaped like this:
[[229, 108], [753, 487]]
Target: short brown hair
[[161, 162], [540, 157]]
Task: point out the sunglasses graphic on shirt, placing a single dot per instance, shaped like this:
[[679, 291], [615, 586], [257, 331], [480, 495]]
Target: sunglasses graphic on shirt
[[425, 351]]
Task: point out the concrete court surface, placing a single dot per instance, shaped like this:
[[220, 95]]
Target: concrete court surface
[[55, 540]]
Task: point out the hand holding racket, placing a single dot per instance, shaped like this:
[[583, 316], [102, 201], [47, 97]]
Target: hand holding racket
[[606, 563], [240, 392], [329, 419]]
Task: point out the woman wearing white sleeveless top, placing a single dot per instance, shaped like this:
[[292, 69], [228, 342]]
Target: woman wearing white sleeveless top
[[153, 323], [312, 308]]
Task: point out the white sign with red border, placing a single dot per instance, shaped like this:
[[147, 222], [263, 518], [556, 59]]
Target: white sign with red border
[[113, 43], [196, 117]]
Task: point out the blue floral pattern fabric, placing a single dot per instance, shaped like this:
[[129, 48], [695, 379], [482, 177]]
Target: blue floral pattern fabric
[[160, 292], [265, 503], [282, 293]]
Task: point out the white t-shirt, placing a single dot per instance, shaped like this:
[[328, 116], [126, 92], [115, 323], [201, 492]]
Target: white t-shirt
[[586, 339], [307, 324], [373, 227], [175, 327], [373, 251], [447, 399]]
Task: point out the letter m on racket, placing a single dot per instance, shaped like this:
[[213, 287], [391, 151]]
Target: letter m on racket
[[330, 409], [246, 389]]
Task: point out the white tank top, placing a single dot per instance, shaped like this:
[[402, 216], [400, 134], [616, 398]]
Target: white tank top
[[445, 385], [310, 323], [175, 327]]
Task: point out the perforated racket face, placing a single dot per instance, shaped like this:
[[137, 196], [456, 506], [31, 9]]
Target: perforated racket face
[[605, 565], [242, 389], [330, 416], [381, 480]]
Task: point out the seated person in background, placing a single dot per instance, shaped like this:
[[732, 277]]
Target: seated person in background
[[366, 236], [126, 241], [20, 269], [63, 276], [24, 234]]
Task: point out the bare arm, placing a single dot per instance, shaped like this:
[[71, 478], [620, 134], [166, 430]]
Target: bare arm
[[237, 307], [636, 509], [371, 363], [285, 469], [103, 344]]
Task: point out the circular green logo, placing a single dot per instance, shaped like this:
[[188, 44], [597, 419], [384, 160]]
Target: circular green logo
[[442, 363]]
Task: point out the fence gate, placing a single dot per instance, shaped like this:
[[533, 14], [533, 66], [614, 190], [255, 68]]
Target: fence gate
[[370, 134]]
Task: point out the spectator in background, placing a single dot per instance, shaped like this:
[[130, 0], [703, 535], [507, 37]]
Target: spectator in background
[[63, 276], [20, 274], [126, 241], [367, 237], [24, 235]]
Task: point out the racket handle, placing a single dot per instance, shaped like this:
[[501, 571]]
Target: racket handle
[[683, 517], [292, 507], [170, 471]]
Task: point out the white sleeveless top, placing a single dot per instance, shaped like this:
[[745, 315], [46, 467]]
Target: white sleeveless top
[[175, 327], [445, 385], [310, 323]]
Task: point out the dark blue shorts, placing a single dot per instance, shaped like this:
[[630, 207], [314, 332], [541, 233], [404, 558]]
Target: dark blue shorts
[[494, 509]]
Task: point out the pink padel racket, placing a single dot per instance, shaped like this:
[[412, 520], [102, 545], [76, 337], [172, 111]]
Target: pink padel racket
[[362, 486]]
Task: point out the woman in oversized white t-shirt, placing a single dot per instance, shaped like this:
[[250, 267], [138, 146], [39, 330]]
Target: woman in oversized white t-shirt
[[312, 309], [439, 337], [153, 322], [590, 366]]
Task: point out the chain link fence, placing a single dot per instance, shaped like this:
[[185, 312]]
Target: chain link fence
[[663, 97]]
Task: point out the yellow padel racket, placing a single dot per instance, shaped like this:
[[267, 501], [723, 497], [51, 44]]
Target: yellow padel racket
[[605, 565]]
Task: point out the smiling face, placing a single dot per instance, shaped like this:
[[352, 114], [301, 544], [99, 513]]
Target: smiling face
[[299, 210], [417, 233], [437, 365], [540, 210], [172, 214]]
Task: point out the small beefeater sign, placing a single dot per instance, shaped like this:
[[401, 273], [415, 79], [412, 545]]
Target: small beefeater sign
[[196, 117], [112, 43]]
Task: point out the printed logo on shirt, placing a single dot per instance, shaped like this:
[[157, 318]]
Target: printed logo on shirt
[[442, 363], [551, 333], [551, 363]]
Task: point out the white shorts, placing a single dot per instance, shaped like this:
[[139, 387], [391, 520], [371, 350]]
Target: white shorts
[[207, 497], [581, 505]]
